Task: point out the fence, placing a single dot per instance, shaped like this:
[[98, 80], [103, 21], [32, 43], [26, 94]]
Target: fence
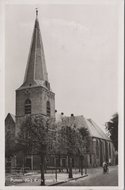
[[15, 170]]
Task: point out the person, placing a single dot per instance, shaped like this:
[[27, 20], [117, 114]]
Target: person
[[103, 164], [110, 162], [105, 167]]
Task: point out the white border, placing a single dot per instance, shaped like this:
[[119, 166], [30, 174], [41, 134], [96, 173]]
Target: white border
[[121, 96], [121, 90], [2, 93]]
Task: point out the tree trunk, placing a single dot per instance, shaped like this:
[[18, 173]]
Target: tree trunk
[[70, 167], [67, 164], [86, 165], [59, 164], [23, 169], [81, 162], [42, 165]]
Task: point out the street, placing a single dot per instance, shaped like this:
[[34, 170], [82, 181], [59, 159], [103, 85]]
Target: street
[[97, 179]]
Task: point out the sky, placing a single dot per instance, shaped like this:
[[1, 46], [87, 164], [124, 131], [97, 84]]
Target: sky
[[81, 51]]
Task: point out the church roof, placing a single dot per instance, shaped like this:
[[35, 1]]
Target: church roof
[[80, 121], [10, 115], [36, 72], [13, 117], [98, 130]]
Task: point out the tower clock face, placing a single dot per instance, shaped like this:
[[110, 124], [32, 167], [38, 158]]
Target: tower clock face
[[27, 92]]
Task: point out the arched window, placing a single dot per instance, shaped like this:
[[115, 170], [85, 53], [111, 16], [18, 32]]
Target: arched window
[[48, 108], [28, 106]]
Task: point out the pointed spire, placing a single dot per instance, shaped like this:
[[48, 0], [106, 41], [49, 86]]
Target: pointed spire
[[36, 72]]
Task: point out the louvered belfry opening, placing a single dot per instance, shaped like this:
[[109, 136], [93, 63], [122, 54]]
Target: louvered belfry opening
[[28, 106]]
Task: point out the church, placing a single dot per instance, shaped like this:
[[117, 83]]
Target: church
[[35, 96]]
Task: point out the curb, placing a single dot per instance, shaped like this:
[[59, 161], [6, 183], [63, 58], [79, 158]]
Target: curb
[[68, 180]]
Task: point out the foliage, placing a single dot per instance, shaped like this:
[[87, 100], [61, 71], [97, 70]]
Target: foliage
[[112, 127], [70, 140], [84, 132], [85, 137], [9, 145], [34, 134], [34, 137]]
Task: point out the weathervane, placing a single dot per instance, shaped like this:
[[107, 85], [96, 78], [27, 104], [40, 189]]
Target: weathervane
[[36, 12]]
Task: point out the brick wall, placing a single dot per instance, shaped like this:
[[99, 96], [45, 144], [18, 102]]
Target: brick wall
[[39, 97]]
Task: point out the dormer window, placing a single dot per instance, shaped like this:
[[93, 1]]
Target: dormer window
[[28, 106], [48, 108]]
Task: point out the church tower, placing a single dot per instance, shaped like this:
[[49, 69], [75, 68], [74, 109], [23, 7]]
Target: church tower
[[35, 95]]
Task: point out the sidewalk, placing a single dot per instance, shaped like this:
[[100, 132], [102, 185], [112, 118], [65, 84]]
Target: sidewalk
[[33, 179]]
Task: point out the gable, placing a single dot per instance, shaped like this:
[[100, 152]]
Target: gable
[[10, 119]]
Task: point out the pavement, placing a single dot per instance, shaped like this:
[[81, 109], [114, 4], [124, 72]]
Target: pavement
[[97, 178], [94, 177], [33, 178]]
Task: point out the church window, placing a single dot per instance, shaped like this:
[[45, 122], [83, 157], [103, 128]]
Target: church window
[[28, 106], [97, 148], [109, 150], [90, 159], [48, 108]]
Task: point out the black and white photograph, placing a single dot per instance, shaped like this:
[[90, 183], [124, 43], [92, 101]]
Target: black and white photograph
[[63, 121]]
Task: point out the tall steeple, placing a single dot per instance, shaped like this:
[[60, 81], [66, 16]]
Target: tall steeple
[[36, 72], [35, 97]]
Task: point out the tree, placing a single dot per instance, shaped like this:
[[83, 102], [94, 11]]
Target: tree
[[9, 149], [9, 145], [34, 137], [69, 141], [84, 132], [112, 128], [85, 137]]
